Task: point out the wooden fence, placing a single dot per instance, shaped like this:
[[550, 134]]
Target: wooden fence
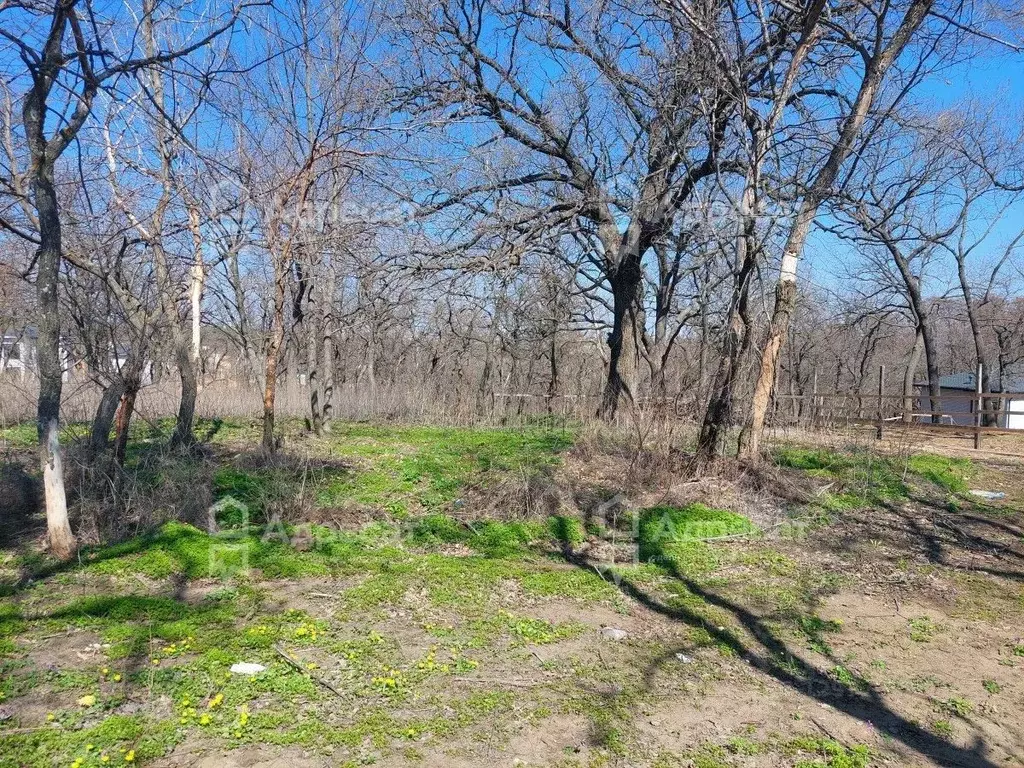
[[887, 411]]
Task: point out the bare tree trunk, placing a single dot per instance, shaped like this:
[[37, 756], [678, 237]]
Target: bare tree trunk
[[625, 342], [327, 350], [273, 352], [931, 359], [124, 420], [196, 300], [103, 421], [553, 367], [183, 436], [908, 377], [62, 542], [786, 290], [719, 414], [989, 418], [785, 302]]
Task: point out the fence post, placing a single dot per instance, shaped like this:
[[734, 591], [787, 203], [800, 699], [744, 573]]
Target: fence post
[[881, 392], [814, 399], [978, 407]]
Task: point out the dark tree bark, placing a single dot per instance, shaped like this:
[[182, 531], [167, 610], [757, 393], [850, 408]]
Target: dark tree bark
[[625, 342], [103, 421], [183, 436]]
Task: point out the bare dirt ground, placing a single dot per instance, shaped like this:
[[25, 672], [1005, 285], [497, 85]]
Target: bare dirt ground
[[888, 634]]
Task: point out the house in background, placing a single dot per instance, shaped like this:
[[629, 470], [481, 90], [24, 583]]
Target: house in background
[[18, 357], [18, 352], [958, 404]]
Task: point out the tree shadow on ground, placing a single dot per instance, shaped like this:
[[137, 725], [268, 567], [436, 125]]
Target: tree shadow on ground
[[957, 539], [769, 653]]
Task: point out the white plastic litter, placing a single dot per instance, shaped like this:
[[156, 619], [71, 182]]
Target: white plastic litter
[[989, 494], [247, 668], [684, 658]]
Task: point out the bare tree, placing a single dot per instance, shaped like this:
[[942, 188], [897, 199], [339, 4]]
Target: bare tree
[[66, 68], [880, 38]]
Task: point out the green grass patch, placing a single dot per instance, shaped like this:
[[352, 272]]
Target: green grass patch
[[866, 477], [949, 474], [675, 537], [407, 470], [495, 538]]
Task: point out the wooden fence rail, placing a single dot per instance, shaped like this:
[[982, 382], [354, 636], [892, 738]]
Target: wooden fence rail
[[899, 411]]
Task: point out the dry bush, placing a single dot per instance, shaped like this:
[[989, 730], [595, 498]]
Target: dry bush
[[112, 503]]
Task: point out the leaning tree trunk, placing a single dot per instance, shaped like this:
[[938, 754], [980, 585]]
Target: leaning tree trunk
[[103, 421], [626, 338], [62, 541], [131, 378], [820, 188]]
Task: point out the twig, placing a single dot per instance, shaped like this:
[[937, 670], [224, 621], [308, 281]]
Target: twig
[[16, 731], [829, 733], [307, 673], [507, 681]]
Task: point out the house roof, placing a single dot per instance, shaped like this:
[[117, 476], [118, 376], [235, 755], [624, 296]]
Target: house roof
[[1012, 381]]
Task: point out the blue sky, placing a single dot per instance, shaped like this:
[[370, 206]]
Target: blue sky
[[993, 79]]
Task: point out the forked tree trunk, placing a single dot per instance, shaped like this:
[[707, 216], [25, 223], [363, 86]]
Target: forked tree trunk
[[719, 414], [626, 338]]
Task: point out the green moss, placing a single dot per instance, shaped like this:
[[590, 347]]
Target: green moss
[[567, 531], [24, 435], [863, 474], [493, 538], [867, 477]]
